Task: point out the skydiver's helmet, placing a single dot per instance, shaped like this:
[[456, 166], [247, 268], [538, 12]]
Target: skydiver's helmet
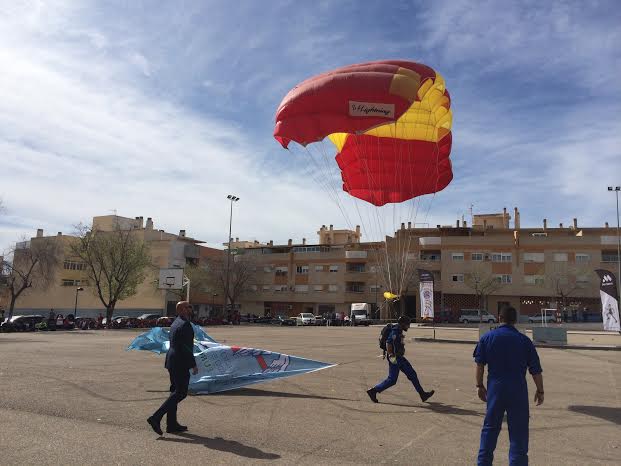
[[404, 321]]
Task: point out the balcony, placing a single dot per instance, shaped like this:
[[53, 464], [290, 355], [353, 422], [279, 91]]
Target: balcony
[[430, 241], [354, 287], [355, 254]]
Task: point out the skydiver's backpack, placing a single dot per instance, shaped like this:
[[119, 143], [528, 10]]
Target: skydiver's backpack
[[384, 336]]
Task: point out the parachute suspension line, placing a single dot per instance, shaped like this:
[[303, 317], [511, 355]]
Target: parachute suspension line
[[324, 179]]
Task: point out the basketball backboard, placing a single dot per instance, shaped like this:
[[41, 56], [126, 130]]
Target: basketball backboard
[[171, 279]]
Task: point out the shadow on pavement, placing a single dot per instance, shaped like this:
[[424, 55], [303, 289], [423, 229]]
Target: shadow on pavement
[[259, 392], [602, 412], [440, 408], [220, 444]]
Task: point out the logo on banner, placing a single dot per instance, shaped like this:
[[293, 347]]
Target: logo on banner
[[607, 279]]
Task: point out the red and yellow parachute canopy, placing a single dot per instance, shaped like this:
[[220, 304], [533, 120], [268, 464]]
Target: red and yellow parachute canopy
[[389, 120]]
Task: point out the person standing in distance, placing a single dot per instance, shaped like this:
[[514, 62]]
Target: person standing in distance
[[179, 361], [395, 350], [507, 353]]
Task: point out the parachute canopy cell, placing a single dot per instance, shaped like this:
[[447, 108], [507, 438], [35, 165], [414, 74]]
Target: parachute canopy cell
[[390, 122]]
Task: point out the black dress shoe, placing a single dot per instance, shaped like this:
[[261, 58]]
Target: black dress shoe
[[155, 426], [426, 395], [177, 428], [372, 394]]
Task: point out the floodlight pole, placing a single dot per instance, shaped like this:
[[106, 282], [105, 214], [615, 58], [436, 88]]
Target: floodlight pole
[[231, 198], [616, 189], [75, 308]]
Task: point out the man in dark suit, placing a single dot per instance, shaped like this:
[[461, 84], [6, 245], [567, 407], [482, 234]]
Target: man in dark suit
[[179, 361]]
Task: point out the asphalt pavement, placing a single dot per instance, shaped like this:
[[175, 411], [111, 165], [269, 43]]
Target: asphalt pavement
[[79, 398]]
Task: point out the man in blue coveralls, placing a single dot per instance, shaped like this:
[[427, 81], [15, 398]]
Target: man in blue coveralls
[[508, 353], [395, 350]]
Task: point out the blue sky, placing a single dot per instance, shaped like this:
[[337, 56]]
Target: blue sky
[[161, 109]]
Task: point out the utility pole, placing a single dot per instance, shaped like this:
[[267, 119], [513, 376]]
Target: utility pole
[[231, 198]]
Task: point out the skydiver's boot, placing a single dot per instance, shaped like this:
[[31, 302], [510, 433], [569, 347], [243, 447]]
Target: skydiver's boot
[[372, 394]]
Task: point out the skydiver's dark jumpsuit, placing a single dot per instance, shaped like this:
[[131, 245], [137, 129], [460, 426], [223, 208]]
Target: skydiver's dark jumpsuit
[[395, 338], [507, 353]]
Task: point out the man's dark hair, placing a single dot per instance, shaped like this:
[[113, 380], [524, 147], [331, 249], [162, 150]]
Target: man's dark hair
[[508, 314], [404, 320]]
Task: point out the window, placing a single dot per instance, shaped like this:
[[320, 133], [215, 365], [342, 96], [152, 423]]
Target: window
[[74, 283], [504, 279], [355, 287], [334, 268], [583, 280], [279, 288], [301, 288], [533, 257], [501, 257], [609, 256], [281, 271], [534, 280], [73, 265], [333, 288], [430, 256], [268, 269], [355, 267], [305, 249], [458, 256], [319, 268], [477, 256], [560, 257], [583, 257], [302, 269], [457, 277], [318, 288]]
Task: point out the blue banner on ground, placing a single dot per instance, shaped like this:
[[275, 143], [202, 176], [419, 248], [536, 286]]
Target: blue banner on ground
[[222, 367]]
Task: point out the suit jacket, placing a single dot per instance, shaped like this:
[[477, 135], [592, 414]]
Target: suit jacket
[[180, 355]]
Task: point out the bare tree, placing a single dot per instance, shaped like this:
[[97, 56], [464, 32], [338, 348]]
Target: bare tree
[[562, 278], [116, 263], [483, 283], [241, 277], [31, 265]]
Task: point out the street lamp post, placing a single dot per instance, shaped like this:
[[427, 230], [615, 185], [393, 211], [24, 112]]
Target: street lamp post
[[75, 308], [233, 199], [616, 189]]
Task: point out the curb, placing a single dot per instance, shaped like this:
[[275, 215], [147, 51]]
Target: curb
[[538, 345]]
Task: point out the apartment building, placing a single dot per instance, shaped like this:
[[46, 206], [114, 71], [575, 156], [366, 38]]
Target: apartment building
[[168, 250], [532, 268]]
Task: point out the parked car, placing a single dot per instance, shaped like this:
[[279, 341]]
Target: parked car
[[305, 318], [476, 315], [149, 316], [86, 323], [546, 317], [164, 321], [21, 323], [281, 319]]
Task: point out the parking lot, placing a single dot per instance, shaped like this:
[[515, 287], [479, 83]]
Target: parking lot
[[79, 398]]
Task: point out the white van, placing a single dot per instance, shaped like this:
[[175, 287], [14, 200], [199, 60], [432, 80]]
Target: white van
[[360, 313], [476, 316]]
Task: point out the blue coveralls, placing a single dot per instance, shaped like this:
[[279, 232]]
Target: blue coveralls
[[507, 353], [395, 338]]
